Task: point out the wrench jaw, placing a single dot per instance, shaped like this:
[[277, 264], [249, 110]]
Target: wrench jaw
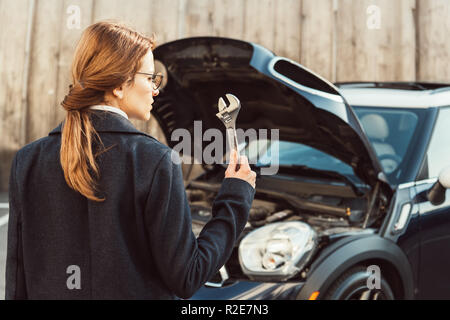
[[222, 105], [228, 115], [226, 119]]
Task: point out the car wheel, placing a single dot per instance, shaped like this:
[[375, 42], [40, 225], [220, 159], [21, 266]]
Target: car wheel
[[352, 285]]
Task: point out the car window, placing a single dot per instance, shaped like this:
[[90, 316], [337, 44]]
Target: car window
[[439, 148], [390, 132], [294, 153]]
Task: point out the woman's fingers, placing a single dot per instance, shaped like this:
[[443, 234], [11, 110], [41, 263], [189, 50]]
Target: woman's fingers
[[233, 161], [245, 172]]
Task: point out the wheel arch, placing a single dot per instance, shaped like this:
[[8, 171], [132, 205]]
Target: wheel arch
[[347, 253]]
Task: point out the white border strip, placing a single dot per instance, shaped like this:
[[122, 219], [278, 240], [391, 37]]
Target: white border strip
[[4, 205], [4, 219]]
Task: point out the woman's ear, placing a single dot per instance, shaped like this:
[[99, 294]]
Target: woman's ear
[[118, 92]]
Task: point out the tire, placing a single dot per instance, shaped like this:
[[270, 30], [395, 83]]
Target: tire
[[352, 285]]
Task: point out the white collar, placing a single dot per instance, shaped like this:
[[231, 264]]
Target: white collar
[[109, 108]]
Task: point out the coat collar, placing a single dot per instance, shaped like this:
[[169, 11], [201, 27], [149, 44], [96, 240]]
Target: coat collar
[[105, 121]]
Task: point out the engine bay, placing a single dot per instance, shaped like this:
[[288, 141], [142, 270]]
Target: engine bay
[[269, 207], [332, 210]]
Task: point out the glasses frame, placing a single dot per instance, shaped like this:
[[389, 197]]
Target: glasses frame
[[153, 75]]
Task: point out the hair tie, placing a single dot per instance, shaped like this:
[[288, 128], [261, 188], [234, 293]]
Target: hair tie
[[81, 83]]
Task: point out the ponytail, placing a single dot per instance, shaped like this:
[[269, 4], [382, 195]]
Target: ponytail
[[76, 155]]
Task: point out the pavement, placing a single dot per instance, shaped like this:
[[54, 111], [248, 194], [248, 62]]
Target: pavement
[[3, 236]]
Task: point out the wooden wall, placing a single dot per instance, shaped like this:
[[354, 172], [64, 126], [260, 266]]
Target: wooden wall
[[343, 40]]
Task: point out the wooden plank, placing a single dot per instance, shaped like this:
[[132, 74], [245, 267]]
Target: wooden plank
[[166, 25], [287, 29], [198, 18], [44, 68], [12, 73], [68, 38], [406, 57], [317, 32], [164, 20], [136, 14], [259, 22], [351, 42], [228, 19], [372, 51], [398, 42], [434, 45]]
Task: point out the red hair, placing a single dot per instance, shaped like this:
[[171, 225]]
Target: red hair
[[107, 56]]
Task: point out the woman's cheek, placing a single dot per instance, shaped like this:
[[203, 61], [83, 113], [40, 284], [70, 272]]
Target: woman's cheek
[[149, 94], [146, 89]]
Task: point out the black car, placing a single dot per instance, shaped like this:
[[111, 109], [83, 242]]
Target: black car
[[356, 209]]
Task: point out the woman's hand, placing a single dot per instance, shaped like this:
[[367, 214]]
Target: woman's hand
[[244, 172]]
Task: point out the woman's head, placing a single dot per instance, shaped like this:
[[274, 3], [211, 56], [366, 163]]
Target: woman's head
[[106, 69], [136, 98]]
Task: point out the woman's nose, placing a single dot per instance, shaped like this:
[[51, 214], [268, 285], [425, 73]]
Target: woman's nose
[[155, 92]]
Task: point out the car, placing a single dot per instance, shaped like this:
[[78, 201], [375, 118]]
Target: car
[[359, 206]]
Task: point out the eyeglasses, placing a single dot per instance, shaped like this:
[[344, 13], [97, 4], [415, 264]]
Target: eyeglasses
[[156, 78]]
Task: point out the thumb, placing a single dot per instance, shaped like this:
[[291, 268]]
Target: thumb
[[243, 160], [233, 159]]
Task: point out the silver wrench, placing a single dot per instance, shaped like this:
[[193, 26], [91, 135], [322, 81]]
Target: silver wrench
[[228, 115]]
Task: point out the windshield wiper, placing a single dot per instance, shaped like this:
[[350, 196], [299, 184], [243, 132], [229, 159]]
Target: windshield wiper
[[316, 173]]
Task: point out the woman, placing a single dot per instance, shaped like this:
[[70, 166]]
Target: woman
[[98, 209]]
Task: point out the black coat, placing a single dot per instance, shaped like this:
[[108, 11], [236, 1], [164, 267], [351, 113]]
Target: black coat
[[138, 244]]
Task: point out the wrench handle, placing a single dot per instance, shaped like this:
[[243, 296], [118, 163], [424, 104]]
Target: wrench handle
[[238, 153], [232, 138]]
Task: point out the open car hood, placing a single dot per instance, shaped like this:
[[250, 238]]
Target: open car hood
[[275, 93]]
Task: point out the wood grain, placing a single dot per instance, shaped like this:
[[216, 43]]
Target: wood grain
[[334, 38]]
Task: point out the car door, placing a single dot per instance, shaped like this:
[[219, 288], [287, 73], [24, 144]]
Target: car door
[[434, 268]]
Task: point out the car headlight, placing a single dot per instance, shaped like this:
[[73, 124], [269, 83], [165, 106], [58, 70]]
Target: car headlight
[[277, 251]]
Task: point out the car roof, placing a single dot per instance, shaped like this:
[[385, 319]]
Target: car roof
[[396, 94]]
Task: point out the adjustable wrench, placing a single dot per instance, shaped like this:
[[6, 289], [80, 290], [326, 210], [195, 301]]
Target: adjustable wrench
[[228, 115]]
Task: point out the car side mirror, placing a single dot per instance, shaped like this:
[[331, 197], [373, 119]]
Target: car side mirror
[[436, 194]]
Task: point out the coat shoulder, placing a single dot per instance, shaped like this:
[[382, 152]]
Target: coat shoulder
[[35, 146], [148, 145]]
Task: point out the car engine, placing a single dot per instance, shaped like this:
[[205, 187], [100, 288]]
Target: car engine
[[265, 211]]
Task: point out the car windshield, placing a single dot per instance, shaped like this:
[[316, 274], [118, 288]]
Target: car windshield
[[297, 154], [389, 130]]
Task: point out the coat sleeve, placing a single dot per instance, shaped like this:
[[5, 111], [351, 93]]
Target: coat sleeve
[[15, 277], [185, 262]]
